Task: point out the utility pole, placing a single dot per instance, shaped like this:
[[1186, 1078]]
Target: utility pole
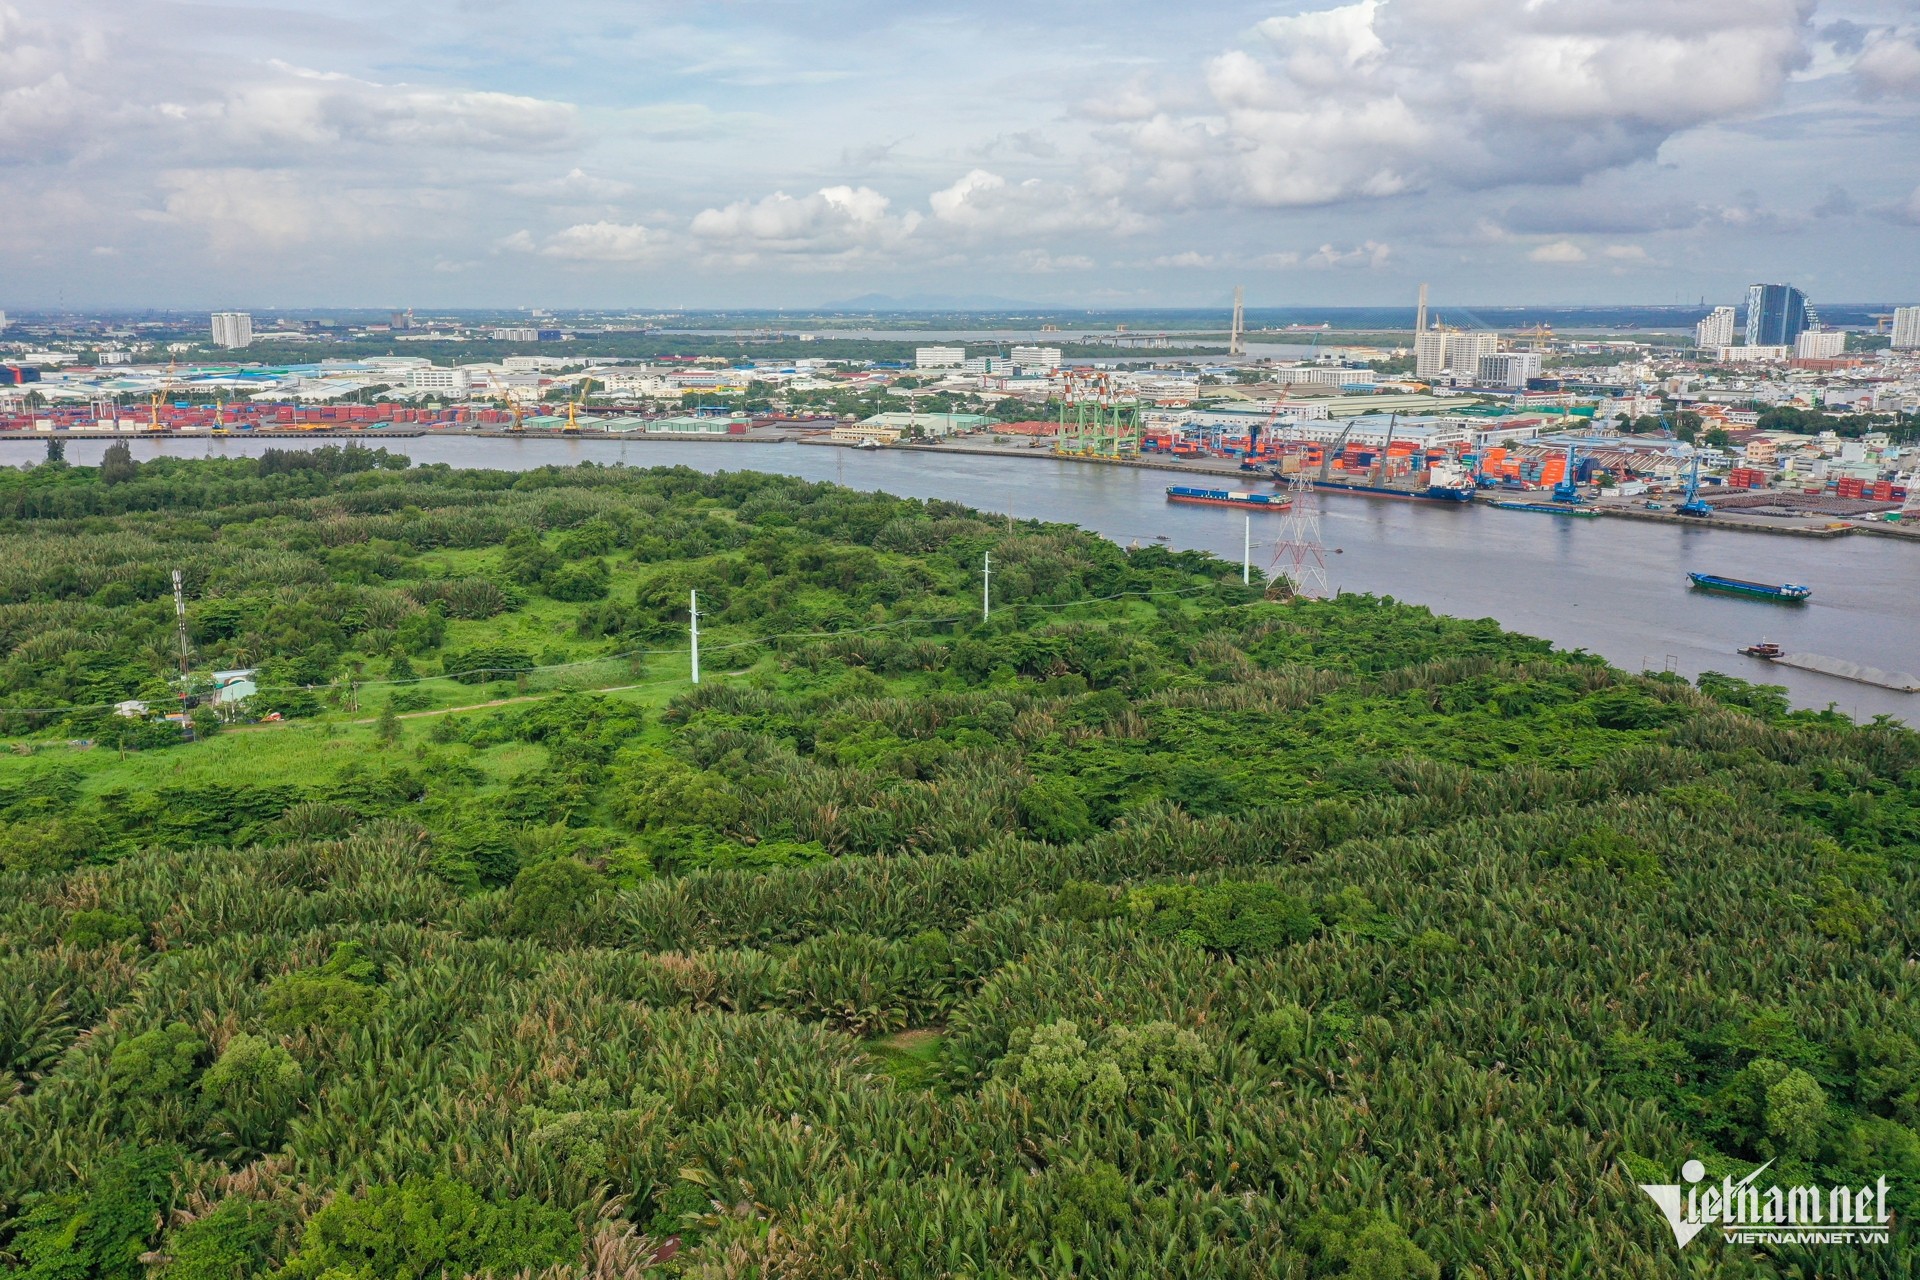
[[1246, 554], [986, 585], [180, 620], [180, 623], [693, 613]]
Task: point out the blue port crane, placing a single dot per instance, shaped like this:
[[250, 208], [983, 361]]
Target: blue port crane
[[1690, 504], [1568, 490]]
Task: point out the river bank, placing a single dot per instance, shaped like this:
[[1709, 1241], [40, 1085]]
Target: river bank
[[1617, 588]]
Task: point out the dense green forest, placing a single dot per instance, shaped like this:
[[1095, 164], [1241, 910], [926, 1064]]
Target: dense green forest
[[1146, 927]]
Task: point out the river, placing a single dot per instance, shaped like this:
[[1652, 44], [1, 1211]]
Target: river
[[1613, 587]]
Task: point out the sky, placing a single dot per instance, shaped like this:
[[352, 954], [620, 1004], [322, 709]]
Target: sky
[[780, 153]]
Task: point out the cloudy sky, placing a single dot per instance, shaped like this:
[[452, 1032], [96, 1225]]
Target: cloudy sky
[[789, 152]]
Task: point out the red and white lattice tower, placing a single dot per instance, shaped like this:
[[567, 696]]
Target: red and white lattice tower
[[1299, 557]]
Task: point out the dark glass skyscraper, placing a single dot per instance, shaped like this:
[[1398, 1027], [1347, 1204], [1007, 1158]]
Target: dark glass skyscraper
[[1776, 315]]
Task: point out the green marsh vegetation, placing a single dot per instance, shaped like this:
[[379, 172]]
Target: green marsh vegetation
[[1145, 928]]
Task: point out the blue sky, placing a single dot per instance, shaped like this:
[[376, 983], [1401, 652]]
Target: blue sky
[[760, 153]]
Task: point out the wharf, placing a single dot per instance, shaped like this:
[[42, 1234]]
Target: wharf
[[1750, 525], [1898, 681]]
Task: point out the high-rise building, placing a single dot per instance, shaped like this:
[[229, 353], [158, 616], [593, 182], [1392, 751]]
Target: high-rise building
[[1820, 344], [1439, 350], [3, 321], [939, 357], [232, 329], [1777, 314], [1906, 328], [1509, 368], [1716, 330]]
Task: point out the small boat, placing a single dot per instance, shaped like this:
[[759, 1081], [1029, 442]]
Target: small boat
[[1227, 498], [1788, 592], [1765, 649], [1549, 509], [868, 444]]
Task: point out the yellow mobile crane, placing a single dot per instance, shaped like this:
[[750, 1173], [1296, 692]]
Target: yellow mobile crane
[[153, 420]]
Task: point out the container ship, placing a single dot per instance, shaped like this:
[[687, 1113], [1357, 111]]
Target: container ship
[[1444, 483], [1785, 591], [1227, 498]]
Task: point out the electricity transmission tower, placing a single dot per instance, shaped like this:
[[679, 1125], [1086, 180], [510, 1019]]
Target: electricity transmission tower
[[1299, 557]]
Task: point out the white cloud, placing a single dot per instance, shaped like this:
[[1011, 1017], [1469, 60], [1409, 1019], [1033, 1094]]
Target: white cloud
[[603, 242], [575, 184], [250, 209], [1627, 253], [988, 204], [1187, 260], [1387, 97], [833, 221], [1039, 262], [295, 106], [1890, 64], [1372, 254], [1559, 252]]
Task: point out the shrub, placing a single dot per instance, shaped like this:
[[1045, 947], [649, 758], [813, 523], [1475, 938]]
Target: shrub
[[1235, 916], [155, 1063], [1281, 1035], [100, 1231], [90, 929], [230, 1243], [1363, 1245], [429, 1230], [1054, 812], [483, 663], [340, 993], [550, 897]]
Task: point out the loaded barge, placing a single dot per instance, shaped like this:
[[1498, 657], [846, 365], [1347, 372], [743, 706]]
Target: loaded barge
[[1786, 592], [1548, 508], [1227, 498]]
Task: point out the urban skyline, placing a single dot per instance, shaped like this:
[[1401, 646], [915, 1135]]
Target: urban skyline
[[230, 156]]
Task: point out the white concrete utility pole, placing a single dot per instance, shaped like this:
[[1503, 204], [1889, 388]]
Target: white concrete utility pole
[[986, 586], [1246, 554], [693, 614]]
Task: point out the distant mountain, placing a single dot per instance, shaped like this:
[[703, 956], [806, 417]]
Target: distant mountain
[[929, 302]]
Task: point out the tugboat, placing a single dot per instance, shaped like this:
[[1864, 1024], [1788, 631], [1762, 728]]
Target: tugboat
[[1765, 649]]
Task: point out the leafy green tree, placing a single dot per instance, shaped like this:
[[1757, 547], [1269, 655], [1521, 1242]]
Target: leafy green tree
[[249, 1093], [341, 993], [550, 898], [156, 1063], [230, 1243], [387, 727], [99, 1231], [1236, 916], [1363, 1245], [117, 465], [429, 1229], [1055, 812], [525, 559], [97, 928]]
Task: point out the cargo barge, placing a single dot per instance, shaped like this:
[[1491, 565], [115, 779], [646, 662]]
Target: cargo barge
[[1786, 592], [1227, 498], [1548, 508], [1444, 484]]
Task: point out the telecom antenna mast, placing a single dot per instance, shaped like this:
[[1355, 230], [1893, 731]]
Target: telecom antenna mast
[[180, 619], [1299, 557]]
